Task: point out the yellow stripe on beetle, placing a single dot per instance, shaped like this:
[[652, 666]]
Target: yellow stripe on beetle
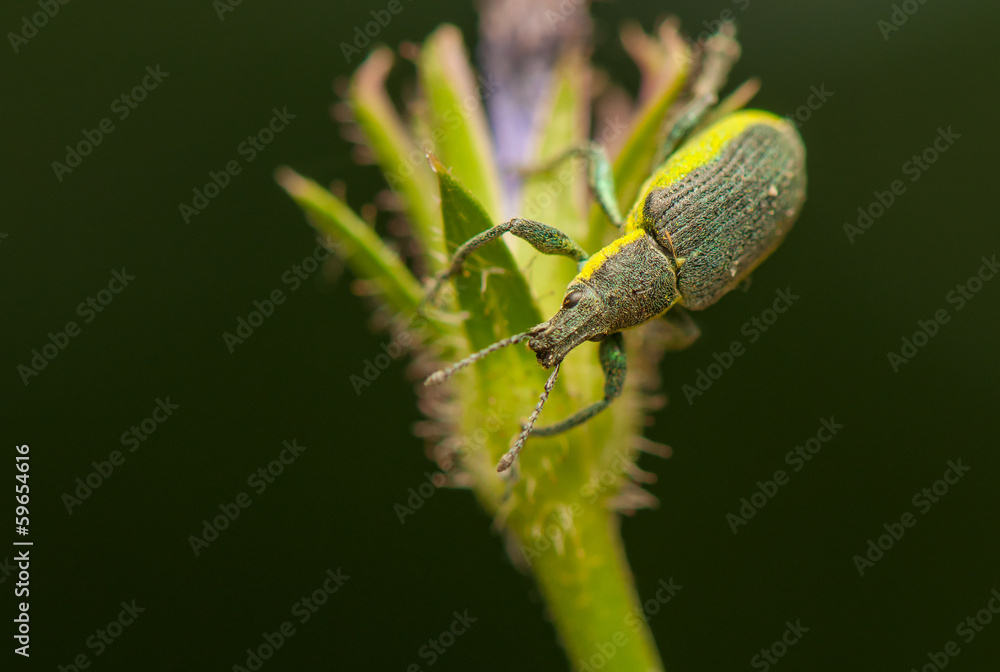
[[698, 151], [701, 223], [596, 261]]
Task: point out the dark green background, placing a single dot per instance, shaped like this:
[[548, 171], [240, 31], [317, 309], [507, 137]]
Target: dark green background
[[334, 506]]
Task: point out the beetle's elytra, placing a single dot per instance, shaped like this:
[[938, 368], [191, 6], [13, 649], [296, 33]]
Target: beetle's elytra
[[710, 214], [725, 201]]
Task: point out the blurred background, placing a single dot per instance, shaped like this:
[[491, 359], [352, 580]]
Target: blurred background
[[909, 99]]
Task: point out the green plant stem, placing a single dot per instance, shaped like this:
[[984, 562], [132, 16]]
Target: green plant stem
[[590, 592]]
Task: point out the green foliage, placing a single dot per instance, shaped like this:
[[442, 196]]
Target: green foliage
[[500, 304], [453, 110], [365, 252], [558, 506], [395, 149]]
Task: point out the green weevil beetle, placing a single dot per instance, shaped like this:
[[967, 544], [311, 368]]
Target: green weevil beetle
[[706, 217]]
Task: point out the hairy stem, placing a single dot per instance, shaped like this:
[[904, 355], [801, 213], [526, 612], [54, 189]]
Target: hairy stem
[[589, 589]]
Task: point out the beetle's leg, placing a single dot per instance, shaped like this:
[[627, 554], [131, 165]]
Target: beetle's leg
[[600, 177], [687, 118], [612, 355], [544, 238], [721, 51], [681, 330]]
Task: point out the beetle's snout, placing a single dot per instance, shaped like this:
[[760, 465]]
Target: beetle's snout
[[541, 340], [549, 357], [575, 322]]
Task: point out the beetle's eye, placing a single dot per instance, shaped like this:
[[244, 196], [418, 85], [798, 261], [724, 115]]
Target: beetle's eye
[[572, 298]]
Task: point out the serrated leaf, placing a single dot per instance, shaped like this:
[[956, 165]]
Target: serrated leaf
[[454, 108], [498, 303], [401, 161], [362, 248]]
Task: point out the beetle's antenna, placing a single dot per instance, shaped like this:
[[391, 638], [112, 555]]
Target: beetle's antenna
[[510, 455], [444, 374]]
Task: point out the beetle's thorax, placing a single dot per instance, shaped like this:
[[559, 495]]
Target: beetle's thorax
[[627, 283]]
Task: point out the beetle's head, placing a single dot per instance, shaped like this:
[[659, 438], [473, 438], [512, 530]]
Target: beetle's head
[[626, 284], [582, 317]]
